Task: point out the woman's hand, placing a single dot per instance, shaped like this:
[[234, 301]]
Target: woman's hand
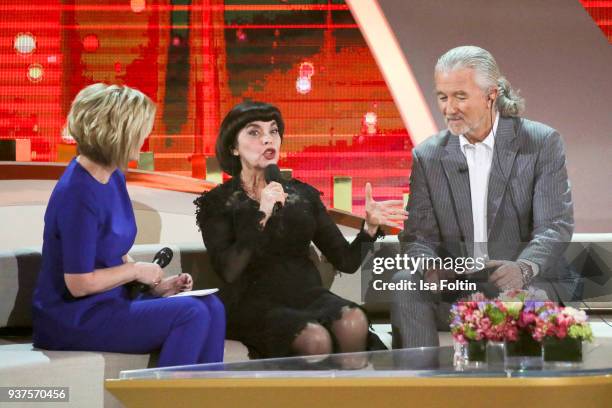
[[390, 212], [148, 273], [101, 280], [273, 193], [173, 285]]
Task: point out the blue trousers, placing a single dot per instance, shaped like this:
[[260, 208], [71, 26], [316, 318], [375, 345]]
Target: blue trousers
[[188, 330]]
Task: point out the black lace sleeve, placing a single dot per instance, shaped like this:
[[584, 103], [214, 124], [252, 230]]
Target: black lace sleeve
[[231, 231], [329, 239]]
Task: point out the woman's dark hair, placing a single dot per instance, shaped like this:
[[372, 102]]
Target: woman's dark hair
[[241, 115]]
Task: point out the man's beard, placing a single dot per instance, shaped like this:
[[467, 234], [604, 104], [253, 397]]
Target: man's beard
[[458, 128], [464, 128]]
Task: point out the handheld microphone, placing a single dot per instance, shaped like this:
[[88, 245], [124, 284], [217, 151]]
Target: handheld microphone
[[163, 257], [273, 173]]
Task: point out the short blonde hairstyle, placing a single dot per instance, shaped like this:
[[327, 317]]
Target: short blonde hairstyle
[[108, 122]]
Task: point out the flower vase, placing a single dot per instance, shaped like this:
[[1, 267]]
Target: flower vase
[[476, 351], [495, 354], [562, 351], [524, 353]]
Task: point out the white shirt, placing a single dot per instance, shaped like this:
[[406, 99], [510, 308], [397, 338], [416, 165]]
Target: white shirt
[[479, 157]]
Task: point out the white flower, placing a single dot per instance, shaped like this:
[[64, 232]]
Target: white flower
[[579, 316], [513, 307]]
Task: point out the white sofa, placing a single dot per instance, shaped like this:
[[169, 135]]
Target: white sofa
[[83, 372]]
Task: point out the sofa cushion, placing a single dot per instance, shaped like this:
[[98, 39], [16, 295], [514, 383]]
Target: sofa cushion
[[81, 372], [23, 365], [18, 274]]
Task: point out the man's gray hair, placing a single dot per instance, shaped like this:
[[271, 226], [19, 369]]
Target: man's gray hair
[[487, 76]]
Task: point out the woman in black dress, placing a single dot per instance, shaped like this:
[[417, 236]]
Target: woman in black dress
[[274, 298]]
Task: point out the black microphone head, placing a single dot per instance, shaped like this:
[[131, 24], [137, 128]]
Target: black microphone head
[[163, 257], [273, 173]]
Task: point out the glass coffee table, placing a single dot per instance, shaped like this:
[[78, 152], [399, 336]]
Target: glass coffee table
[[404, 377]]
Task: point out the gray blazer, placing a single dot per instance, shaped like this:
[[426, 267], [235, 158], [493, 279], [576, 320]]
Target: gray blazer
[[529, 206]]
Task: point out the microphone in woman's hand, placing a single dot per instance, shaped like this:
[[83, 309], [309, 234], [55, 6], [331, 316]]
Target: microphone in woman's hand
[[273, 173], [163, 257]]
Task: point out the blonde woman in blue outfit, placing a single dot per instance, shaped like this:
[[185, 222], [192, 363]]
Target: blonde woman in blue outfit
[[81, 301]]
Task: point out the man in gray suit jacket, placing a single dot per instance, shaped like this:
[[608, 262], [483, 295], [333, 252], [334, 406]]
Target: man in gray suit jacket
[[493, 186]]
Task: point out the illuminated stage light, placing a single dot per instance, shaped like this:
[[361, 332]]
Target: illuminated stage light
[[138, 5], [176, 41], [35, 72], [307, 69], [241, 35], [303, 85], [91, 43], [370, 120], [52, 59], [24, 43]]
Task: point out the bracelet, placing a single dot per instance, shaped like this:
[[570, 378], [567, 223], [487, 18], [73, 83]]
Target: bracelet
[[526, 273]]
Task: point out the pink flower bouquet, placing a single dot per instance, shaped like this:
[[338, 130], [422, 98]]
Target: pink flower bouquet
[[476, 320]]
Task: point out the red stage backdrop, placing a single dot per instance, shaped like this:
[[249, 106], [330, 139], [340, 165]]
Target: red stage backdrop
[[196, 59]]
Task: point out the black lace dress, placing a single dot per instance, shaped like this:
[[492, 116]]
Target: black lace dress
[[273, 289]]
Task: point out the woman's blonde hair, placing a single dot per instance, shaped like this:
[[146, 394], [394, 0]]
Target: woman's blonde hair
[[108, 122]]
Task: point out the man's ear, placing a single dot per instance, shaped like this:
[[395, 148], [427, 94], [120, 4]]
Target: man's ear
[[492, 97]]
